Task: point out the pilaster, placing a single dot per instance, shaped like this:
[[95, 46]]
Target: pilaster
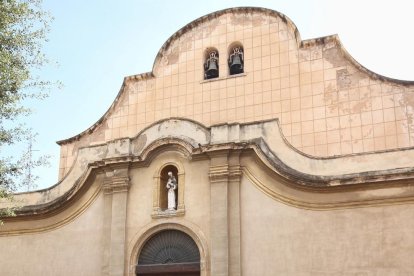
[[116, 185], [234, 214], [225, 212]]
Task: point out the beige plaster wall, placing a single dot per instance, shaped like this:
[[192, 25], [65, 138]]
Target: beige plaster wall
[[328, 104], [196, 199], [74, 249], [278, 239], [78, 247]]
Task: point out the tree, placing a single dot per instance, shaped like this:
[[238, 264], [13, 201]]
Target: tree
[[23, 28]]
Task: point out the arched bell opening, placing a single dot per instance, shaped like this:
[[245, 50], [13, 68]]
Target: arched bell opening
[[169, 252], [211, 63], [236, 58]]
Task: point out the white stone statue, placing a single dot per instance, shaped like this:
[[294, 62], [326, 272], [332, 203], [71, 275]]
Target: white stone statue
[[171, 187]]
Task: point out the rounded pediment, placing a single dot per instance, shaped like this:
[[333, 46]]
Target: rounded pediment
[[215, 24]]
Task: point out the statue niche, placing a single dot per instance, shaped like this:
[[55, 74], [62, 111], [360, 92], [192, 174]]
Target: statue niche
[[169, 188], [168, 191]]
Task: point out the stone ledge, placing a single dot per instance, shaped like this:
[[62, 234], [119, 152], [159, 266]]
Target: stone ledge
[[168, 213]]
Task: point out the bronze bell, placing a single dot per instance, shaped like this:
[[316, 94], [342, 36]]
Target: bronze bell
[[236, 62], [211, 67], [236, 66]]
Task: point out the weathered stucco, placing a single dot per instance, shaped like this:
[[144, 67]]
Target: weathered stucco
[[302, 165], [75, 248], [327, 103], [277, 183], [281, 240], [265, 138]]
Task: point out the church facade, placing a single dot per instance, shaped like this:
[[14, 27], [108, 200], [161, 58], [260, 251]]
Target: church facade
[[245, 151]]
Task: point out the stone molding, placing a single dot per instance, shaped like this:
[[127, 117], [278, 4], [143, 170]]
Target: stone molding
[[219, 173], [386, 168], [224, 173], [142, 235], [157, 212], [47, 219], [116, 179]]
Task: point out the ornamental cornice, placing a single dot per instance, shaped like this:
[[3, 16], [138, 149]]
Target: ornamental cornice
[[116, 178], [219, 173], [263, 140], [235, 173]]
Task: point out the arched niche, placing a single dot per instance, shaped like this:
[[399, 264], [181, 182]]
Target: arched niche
[[163, 179], [211, 63], [160, 191], [169, 252], [235, 60]]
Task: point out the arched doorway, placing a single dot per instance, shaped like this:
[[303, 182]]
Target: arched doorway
[[169, 253]]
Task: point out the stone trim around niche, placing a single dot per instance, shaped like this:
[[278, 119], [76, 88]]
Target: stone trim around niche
[[159, 211]]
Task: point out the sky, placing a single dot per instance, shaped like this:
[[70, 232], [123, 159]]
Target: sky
[[97, 43]]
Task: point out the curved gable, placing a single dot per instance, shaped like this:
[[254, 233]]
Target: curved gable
[[214, 25], [300, 125], [327, 103]]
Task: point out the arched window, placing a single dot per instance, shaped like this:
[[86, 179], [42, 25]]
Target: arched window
[[211, 64], [236, 59], [169, 252]]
